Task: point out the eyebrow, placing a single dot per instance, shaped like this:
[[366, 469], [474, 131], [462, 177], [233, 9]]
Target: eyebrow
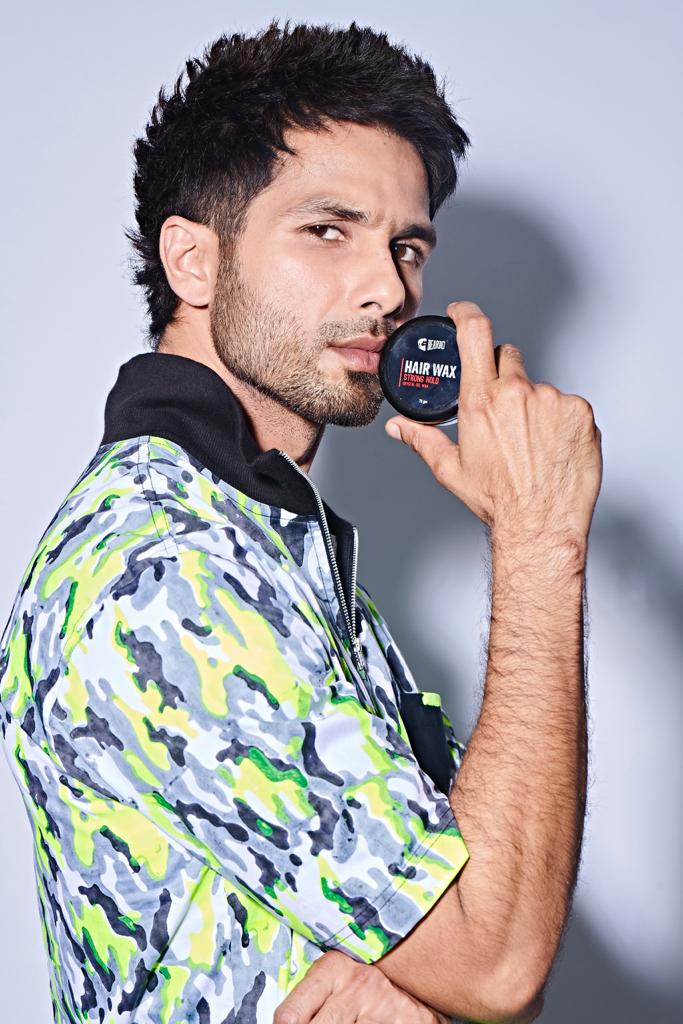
[[339, 211]]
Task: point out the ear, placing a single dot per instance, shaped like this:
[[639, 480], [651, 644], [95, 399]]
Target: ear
[[189, 253]]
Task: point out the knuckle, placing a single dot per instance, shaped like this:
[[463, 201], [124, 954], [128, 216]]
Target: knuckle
[[581, 406], [364, 976], [417, 443], [481, 324], [285, 1015], [547, 391], [410, 438], [475, 398], [517, 387], [510, 351], [440, 469], [339, 964]]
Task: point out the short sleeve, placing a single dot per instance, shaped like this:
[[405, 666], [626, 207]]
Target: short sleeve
[[212, 708]]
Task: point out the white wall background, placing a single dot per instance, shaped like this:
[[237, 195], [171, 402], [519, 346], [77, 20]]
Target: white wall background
[[567, 230]]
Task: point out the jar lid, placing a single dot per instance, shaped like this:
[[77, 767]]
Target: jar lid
[[419, 369]]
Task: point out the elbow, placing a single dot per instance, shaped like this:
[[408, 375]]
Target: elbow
[[513, 995], [509, 1011], [495, 1010], [515, 1011]]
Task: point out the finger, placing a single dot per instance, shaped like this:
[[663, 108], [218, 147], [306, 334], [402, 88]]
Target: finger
[[475, 345], [337, 1010], [440, 453], [306, 998], [510, 362]]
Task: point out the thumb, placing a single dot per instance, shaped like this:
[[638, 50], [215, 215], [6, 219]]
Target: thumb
[[433, 446]]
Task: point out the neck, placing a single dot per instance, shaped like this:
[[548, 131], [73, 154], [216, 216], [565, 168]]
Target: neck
[[270, 422]]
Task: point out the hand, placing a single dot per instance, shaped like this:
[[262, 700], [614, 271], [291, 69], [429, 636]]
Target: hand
[[339, 990], [528, 456]]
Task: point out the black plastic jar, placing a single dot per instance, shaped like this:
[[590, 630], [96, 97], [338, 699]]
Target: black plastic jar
[[419, 370]]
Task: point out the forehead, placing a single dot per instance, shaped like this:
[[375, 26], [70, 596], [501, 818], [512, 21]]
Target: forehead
[[364, 164]]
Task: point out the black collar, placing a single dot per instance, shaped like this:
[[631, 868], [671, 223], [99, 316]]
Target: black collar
[[190, 404]]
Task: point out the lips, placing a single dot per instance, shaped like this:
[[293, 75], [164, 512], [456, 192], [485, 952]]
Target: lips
[[367, 343], [359, 358]]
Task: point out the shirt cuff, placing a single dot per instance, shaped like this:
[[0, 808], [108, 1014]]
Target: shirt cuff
[[423, 875]]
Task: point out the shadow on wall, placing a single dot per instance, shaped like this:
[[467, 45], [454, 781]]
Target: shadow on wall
[[502, 258], [589, 985]]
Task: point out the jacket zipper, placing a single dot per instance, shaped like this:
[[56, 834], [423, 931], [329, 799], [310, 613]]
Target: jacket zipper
[[350, 619]]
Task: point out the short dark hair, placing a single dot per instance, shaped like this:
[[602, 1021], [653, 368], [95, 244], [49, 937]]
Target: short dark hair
[[212, 145]]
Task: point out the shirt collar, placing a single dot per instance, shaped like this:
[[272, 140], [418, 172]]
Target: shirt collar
[[188, 403]]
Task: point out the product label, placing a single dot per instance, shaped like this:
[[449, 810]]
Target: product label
[[427, 344], [416, 373]]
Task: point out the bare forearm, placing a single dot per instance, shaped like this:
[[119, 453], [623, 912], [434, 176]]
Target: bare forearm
[[528, 459], [519, 796]]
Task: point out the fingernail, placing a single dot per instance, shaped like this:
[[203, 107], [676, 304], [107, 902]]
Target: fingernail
[[393, 431]]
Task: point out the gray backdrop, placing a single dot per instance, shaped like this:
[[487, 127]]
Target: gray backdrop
[[566, 230]]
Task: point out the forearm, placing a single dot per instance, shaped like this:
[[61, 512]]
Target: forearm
[[519, 796]]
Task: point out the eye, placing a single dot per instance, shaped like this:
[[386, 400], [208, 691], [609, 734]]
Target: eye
[[418, 257], [324, 227], [320, 230]]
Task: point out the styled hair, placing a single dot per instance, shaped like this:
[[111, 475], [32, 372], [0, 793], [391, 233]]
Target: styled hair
[[213, 144]]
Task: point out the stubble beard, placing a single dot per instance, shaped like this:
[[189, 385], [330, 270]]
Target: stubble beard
[[267, 348]]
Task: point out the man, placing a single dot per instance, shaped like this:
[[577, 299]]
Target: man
[[243, 805]]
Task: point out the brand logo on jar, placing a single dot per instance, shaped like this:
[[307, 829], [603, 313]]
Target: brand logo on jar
[[427, 344]]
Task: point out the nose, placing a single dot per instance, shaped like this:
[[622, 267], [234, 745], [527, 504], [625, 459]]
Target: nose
[[379, 287]]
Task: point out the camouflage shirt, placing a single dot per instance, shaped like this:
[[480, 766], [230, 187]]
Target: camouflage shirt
[[226, 763]]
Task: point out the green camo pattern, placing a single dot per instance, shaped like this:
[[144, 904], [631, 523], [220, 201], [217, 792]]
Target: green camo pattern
[[212, 804]]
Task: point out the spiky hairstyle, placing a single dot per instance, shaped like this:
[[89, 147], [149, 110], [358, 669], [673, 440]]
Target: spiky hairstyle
[[213, 143]]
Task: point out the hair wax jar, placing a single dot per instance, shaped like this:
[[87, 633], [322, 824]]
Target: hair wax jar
[[419, 370]]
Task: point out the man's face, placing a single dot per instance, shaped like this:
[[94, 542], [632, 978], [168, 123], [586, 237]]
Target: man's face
[[304, 278]]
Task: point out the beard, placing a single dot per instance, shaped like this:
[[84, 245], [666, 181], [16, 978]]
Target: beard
[[268, 348]]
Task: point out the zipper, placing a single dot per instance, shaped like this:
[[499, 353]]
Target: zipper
[[356, 650], [353, 587]]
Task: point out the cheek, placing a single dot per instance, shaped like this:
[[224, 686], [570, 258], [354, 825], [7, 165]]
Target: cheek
[[306, 286]]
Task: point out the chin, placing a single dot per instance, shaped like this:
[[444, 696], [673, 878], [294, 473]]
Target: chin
[[357, 414]]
